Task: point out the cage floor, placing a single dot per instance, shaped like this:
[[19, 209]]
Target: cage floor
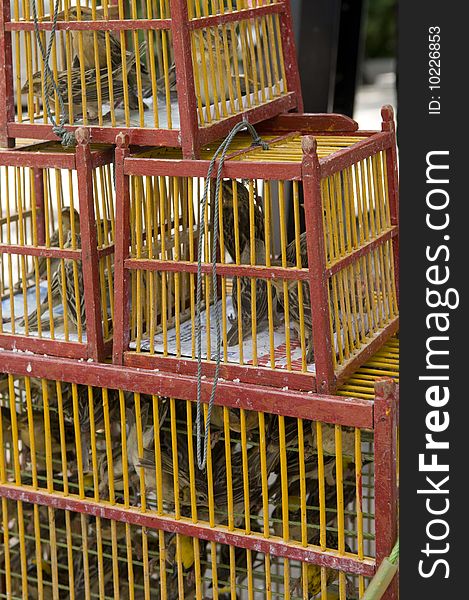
[[258, 353], [169, 119], [19, 309], [261, 349]]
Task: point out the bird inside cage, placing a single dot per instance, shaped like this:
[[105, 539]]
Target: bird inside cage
[[300, 309], [188, 558], [224, 567], [148, 464], [66, 290], [84, 43], [245, 294], [315, 575], [72, 85], [91, 54], [214, 52], [237, 202], [70, 225]]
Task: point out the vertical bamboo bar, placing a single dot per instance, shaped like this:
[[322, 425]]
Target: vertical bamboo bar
[[318, 281], [94, 331], [7, 103], [389, 125], [122, 243], [385, 428], [185, 79]]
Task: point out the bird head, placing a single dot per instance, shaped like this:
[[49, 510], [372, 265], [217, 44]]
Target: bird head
[[72, 14], [34, 84], [201, 496], [66, 214]]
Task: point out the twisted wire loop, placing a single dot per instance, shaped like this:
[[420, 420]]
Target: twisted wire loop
[[67, 137], [221, 152]]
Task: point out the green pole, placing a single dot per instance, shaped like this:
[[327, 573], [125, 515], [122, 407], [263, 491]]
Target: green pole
[[383, 576]]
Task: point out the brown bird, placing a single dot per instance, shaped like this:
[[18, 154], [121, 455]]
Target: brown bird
[[67, 216], [60, 281], [92, 41], [237, 480], [188, 564], [148, 463], [261, 303], [228, 188], [218, 419], [314, 572], [290, 252], [38, 428], [90, 86], [297, 309], [240, 568]]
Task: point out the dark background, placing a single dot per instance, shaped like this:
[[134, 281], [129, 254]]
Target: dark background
[[336, 41], [419, 133]]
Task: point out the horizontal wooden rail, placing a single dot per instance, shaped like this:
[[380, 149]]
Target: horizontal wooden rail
[[39, 160], [347, 157], [100, 25], [219, 534], [353, 412], [40, 251], [137, 135], [256, 114], [198, 168], [312, 123], [243, 14], [231, 270], [355, 255], [24, 343]]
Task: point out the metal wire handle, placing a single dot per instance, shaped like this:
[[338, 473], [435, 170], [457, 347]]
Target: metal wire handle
[[222, 151], [67, 137]]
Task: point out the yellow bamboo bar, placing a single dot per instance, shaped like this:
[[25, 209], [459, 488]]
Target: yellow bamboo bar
[[283, 246], [138, 425], [268, 250], [164, 298], [245, 463], [253, 280], [166, 68], [174, 449], [139, 274], [209, 468], [229, 474]]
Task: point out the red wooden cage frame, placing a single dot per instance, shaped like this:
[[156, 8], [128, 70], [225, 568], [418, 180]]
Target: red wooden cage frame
[[310, 171], [380, 415], [190, 137], [84, 160]]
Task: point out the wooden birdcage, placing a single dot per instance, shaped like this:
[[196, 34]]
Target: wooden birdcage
[[168, 73], [100, 488], [56, 249], [311, 299]]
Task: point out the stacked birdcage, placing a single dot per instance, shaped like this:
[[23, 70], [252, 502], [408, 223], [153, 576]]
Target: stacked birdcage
[[57, 246], [170, 73], [101, 492], [303, 310], [197, 332]]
